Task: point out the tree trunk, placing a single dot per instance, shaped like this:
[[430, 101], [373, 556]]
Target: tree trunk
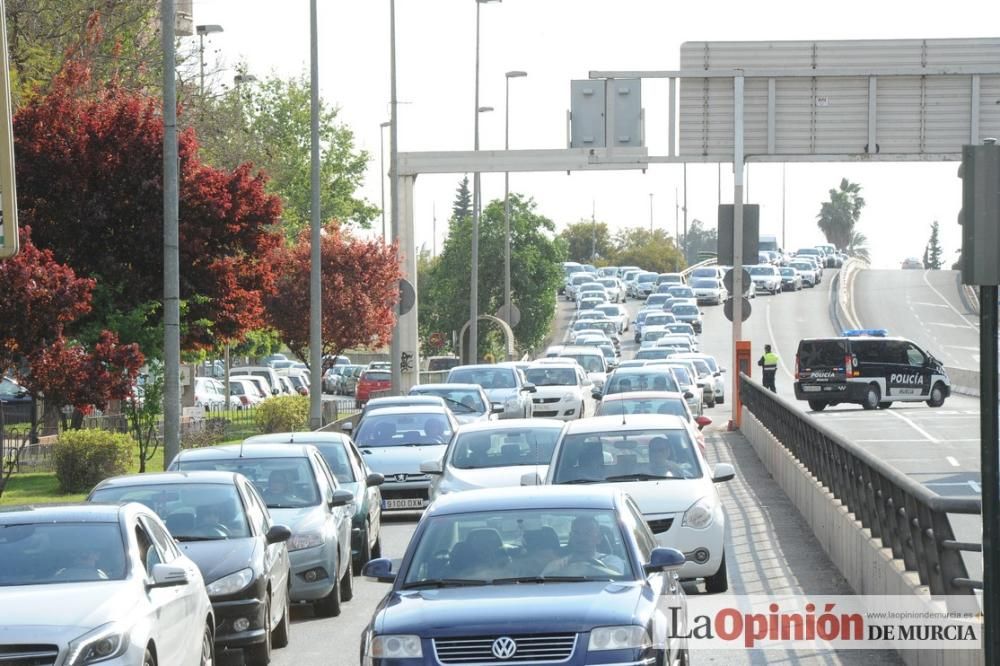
[[50, 419]]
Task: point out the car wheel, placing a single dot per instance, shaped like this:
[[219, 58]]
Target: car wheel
[[207, 647], [937, 396], [872, 397], [329, 606], [817, 405], [279, 637], [260, 654], [719, 581], [365, 552], [377, 547], [148, 659], [347, 585], [884, 405]]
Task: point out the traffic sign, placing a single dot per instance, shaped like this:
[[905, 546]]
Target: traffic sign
[[727, 308], [727, 281], [515, 315], [407, 296]]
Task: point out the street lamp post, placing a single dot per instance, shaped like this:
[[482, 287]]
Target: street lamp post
[[474, 286], [650, 213], [381, 165], [203, 30], [506, 199]]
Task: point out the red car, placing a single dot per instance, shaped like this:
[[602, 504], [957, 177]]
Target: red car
[[371, 381]]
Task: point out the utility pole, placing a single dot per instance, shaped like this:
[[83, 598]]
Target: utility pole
[[677, 218], [171, 246], [316, 239], [783, 246], [593, 226], [685, 210], [650, 213]]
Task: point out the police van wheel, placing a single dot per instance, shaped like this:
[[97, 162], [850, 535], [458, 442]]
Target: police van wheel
[[817, 405], [872, 397], [884, 405], [937, 396]]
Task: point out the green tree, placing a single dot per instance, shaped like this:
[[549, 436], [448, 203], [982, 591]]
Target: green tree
[[462, 206], [654, 251], [699, 239], [934, 255], [267, 123], [588, 241], [838, 216], [858, 247], [535, 275]]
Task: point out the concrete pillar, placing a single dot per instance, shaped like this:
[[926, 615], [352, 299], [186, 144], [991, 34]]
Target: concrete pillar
[[409, 339]]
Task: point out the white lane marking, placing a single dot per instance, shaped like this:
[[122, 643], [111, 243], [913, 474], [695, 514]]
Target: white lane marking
[[913, 425], [774, 341], [951, 461], [964, 348], [930, 305], [941, 323], [850, 300], [975, 486], [950, 306]]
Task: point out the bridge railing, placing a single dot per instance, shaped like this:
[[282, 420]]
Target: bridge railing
[[908, 518]]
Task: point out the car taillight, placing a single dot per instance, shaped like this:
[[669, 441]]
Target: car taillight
[[797, 375], [244, 400], [848, 369]]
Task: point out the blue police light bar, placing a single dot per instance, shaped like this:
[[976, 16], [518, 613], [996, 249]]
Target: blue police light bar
[[873, 332]]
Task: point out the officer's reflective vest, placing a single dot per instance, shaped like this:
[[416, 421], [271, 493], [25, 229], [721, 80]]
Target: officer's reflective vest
[[770, 361]]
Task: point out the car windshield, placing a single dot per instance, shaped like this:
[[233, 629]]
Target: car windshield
[[633, 455], [682, 374], [648, 277], [658, 320], [67, 552], [704, 272], [410, 429], [653, 354], [191, 511], [488, 378], [460, 401], [761, 270], [702, 367], [625, 382], [335, 454], [589, 362], [657, 299], [704, 283], [684, 329], [788, 272], [685, 309], [626, 405], [284, 483], [712, 363], [551, 376], [609, 310], [505, 447], [527, 545], [681, 292]]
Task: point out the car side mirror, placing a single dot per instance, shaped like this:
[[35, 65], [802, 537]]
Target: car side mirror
[[530, 388], [595, 394], [531, 479], [723, 472], [431, 467], [374, 479], [275, 391], [278, 534], [688, 395], [340, 498], [380, 570], [702, 421], [168, 575], [496, 408], [664, 559]]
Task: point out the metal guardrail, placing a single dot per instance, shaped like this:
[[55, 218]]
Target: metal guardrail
[[708, 262], [909, 519]]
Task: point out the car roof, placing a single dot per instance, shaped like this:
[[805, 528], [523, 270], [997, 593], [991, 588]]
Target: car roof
[[615, 423], [505, 424], [395, 400], [578, 349], [445, 385], [429, 408], [642, 395], [171, 478], [556, 362], [483, 366], [526, 497], [83, 512], [263, 450], [641, 369], [298, 437]]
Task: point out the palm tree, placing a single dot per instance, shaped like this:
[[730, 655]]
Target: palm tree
[[838, 216], [858, 247]]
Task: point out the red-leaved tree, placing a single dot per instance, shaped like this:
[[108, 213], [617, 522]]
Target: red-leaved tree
[[90, 183], [359, 293]]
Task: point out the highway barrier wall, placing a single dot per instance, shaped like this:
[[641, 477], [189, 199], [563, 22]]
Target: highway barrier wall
[[887, 534]]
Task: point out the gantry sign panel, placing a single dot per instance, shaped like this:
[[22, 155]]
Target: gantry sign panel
[[920, 99]]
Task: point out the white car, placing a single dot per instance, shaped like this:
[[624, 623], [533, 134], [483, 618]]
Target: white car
[[591, 359], [766, 278], [493, 455], [655, 459], [615, 289], [719, 382], [209, 395], [709, 291], [562, 389], [100, 583], [617, 313], [807, 270], [246, 392]]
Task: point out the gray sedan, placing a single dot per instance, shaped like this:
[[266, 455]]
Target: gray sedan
[[504, 383], [468, 402]]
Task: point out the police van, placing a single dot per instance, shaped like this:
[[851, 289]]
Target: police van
[[867, 368]]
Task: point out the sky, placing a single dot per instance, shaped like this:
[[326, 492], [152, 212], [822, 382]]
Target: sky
[[556, 41]]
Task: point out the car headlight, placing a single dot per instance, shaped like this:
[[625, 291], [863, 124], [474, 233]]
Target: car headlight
[[568, 396], [230, 584], [618, 638], [305, 540], [699, 515], [106, 642], [396, 646]]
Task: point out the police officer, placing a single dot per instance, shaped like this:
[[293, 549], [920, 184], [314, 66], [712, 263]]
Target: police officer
[[769, 362]]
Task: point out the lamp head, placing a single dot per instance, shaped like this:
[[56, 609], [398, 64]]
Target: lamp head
[[207, 29], [516, 74]]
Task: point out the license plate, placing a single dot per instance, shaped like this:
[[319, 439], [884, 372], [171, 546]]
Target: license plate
[[812, 389], [413, 503]]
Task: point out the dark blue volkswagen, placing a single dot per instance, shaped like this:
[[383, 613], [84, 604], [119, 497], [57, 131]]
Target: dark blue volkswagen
[[539, 575]]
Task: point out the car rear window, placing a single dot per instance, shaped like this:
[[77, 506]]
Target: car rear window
[[821, 353], [373, 376]]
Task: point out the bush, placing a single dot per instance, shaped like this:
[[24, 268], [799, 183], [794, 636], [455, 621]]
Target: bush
[[283, 414], [84, 458]]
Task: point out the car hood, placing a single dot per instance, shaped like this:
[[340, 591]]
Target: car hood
[[300, 519], [509, 609], [471, 417], [500, 394], [389, 460], [672, 496], [554, 391], [221, 557], [43, 613], [490, 477]]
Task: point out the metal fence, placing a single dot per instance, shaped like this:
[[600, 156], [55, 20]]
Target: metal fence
[[909, 519]]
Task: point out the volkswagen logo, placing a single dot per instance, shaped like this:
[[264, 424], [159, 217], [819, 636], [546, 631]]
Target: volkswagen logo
[[400, 478], [504, 647]]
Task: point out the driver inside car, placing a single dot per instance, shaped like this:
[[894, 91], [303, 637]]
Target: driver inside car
[[583, 558]]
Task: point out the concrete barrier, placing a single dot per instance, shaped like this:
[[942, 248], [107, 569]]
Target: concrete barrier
[[868, 568]]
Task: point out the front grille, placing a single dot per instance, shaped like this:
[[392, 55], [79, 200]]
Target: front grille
[[660, 525], [534, 649], [406, 478], [414, 493], [545, 401], [544, 415], [28, 655]]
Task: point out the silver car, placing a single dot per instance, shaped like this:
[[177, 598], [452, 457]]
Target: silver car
[[93, 579], [504, 384], [468, 402], [394, 442]]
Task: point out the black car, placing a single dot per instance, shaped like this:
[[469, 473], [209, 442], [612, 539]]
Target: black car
[[867, 368], [222, 524]]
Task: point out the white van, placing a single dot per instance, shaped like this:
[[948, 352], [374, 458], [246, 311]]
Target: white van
[[268, 373]]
